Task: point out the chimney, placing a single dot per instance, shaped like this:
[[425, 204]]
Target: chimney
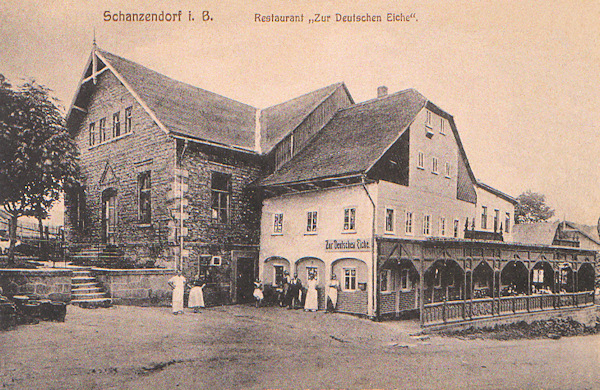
[[382, 91]]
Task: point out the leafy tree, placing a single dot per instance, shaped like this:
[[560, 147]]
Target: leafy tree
[[38, 158], [532, 208]]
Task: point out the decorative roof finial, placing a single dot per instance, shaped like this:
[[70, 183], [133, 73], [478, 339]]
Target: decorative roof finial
[[94, 43]]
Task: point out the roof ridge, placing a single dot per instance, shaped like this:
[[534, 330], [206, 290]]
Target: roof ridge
[[337, 84], [378, 99], [172, 79]]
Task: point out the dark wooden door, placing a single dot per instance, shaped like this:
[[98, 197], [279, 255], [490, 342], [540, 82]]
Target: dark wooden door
[[245, 279]]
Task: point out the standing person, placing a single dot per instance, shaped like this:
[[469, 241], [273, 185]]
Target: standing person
[[312, 301], [177, 283], [196, 300], [332, 293], [285, 298], [295, 291], [258, 293]]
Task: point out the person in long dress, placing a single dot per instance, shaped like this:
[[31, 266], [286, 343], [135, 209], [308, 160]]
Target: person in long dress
[[258, 293], [312, 301], [196, 300], [332, 293], [177, 283]]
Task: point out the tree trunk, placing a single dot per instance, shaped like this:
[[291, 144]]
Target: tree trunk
[[41, 246], [12, 236]]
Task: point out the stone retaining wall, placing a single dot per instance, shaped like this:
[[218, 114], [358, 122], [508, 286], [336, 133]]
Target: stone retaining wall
[[144, 287], [48, 283]]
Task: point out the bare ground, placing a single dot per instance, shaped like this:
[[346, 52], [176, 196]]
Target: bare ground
[[244, 347]]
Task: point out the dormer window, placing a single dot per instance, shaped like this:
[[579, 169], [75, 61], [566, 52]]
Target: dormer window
[[428, 119], [442, 126]]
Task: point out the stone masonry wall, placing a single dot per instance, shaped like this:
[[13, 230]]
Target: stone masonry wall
[[48, 284]]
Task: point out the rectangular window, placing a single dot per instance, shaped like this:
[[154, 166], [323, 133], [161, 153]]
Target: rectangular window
[[428, 118], [311, 222], [102, 129], [215, 260], [116, 129], [385, 280], [127, 120], [456, 226], [404, 280], [409, 222], [349, 219], [538, 275], [437, 278], [442, 126], [507, 223], [447, 169], [496, 220], [278, 275], [144, 189], [350, 279], [389, 220], [434, 165], [421, 161], [278, 223], [220, 184], [442, 226], [92, 134], [484, 217], [312, 272], [426, 225]]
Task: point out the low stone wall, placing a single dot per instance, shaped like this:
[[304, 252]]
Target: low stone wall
[[48, 283], [143, 287]]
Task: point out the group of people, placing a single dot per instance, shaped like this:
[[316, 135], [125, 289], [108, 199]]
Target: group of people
[[290, 297]]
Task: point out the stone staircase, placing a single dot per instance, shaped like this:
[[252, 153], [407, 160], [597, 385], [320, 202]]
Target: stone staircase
[[86, 291]]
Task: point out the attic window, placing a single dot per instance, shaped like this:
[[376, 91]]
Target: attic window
[[127, 120], [428, 119], [92, 134], [116, 129], [102, 130], [442, 126]]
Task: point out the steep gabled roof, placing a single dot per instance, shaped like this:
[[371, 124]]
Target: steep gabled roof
[[188, 110], [541, 233], [356, 138], [279, 120], [588, 231], [496, 192]]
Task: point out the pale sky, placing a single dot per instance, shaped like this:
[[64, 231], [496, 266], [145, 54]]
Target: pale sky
[[521, 78]]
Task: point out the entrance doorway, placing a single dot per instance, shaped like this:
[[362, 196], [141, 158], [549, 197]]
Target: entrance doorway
[[244, 279], [109, 215]]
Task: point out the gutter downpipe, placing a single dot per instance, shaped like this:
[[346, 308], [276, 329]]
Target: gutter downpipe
[[180, 267], [373, 258]]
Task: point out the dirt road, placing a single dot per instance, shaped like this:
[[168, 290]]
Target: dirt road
[[243, 347]]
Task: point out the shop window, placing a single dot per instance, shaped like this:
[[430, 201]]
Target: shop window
[[220, 184], [507, 223], [311, 222], [312, 272], [127, 120], [102, 130], [92, 141], [145, 198], [278, 223], [389, 220], [349, 219], [278, 275], [116, 129], [483, 217], [421, 160], [409, 222], [404, 280], [538, 275], [427, 225], [385, 280], [350, 279]]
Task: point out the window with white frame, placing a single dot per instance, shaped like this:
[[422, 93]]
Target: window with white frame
[[385, 281], [350, 279], [426, 224], [456, 227], [434, 165], [311, 222], [312, 272], [116, 129], [127, 120], [428, 118], [442, 126], [421, 160], [507, 223], [404, 279], [278, 223], [215, 260], [349, 219], [447, 169], [442, 226], [389, 220], [538, 275], [409, 223], [102, 130]]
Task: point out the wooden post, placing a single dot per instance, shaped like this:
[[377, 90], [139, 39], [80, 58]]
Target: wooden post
[[422, 287]]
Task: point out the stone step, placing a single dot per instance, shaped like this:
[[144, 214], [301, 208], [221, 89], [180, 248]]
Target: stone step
[[88, 296], [75, 291]]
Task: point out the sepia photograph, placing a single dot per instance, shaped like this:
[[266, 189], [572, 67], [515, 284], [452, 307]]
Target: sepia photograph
[[299, 195]]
